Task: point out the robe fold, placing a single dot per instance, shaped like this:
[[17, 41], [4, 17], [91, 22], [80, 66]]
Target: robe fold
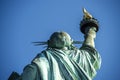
[[56, 64]]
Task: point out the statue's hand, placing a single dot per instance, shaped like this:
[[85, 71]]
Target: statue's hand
[[91, 31], [90, 35]]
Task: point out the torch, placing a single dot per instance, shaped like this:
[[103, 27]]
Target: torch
[[88, 21]]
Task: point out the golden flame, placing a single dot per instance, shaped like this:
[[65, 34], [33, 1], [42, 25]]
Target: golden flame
[[87, 15]]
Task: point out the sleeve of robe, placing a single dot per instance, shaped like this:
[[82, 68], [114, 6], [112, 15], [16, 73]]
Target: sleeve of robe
[[29, 73], [88, 59], [92, 60]]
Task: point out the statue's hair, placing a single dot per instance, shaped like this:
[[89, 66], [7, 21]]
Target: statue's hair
[[59, 40]]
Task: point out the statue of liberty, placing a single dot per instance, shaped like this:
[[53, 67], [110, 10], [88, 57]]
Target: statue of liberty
[[61, 60]]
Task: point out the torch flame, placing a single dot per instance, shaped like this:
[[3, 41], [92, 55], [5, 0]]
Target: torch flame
[[87, 15]]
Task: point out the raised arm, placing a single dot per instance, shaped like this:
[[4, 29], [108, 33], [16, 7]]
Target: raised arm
[[90, 35], [89, 27]]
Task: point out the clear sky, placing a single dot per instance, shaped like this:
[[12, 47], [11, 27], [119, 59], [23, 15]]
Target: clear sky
[[25, 21]]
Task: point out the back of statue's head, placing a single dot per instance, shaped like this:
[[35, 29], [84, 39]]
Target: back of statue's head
[[59, 40]]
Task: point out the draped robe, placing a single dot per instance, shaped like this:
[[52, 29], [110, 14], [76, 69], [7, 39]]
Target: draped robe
[[57, 64]]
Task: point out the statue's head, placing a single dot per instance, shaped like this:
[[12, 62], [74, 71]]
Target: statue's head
[[60, 40]]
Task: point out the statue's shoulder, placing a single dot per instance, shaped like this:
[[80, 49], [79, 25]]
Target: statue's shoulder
[[43, 54], [88, 48]]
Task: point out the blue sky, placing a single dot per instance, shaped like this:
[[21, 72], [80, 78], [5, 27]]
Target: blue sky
[[25, 21]]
